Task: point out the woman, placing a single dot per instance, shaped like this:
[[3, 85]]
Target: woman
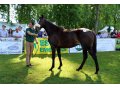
[[10, 33], [30, 37]]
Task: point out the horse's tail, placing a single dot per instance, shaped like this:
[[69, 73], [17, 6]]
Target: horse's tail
[[95, 43]]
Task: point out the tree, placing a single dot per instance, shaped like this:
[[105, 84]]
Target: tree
[[97, 12], [25, 13], [5, 9], [66, 15]]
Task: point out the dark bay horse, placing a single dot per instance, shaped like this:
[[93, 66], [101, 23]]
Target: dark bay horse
[[58, 38]]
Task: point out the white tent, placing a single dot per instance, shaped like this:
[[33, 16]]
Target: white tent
[[105, 29]]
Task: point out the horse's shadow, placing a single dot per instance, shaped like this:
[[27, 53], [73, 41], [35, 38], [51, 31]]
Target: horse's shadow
[[57, 79], [89, 79]]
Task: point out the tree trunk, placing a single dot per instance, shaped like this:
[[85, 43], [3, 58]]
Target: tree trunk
[[97, 12], [8, 17]]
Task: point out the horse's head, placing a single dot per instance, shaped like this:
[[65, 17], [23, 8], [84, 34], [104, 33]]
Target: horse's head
[[41, 21], [37, 28]]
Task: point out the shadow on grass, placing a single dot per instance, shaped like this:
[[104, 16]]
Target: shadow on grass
[[42, 56], [13, 74], [57, 79]]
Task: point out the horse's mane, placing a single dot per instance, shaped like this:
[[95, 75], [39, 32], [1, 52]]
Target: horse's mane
[[58, 28], [55, 27]]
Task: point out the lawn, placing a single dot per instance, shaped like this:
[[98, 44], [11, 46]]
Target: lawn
[[13, 69]]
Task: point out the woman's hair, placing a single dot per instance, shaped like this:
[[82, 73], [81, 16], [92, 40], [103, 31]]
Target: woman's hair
[[9, 31]]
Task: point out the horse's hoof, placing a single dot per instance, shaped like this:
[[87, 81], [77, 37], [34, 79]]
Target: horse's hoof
[[50, 69], [96, 72], [77, 69], [60, 69]]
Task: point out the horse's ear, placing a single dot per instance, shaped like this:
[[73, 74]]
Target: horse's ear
[[42, 16]]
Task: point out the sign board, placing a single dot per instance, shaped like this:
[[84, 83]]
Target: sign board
[[11, 46], [106, 44], [103, 44], [43, 47]]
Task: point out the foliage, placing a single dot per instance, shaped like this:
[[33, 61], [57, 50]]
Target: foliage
[[92, 16], [25, 13]]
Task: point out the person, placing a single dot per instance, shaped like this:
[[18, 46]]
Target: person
[[44, 35], [3, 32], [114, 34], [21, 31], [17, 34], [104, 34], [10, 33], [30, 37], [40, 34], [118, 35], [99, 35]]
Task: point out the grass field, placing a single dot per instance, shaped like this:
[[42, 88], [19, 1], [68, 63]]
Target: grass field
[[13, 69]]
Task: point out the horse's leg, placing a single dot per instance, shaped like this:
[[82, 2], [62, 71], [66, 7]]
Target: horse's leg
[[94, 56], [59, 56], [53, 58], [85, 55]]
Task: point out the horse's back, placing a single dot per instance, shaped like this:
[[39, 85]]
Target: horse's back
[[86, 38]]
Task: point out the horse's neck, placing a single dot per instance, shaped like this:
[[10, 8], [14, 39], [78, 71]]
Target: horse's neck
[[51, 28]]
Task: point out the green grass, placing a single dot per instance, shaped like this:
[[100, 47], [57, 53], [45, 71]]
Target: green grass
[[13, 70]]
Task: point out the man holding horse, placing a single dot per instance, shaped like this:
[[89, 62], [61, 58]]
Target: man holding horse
[[30, 37]]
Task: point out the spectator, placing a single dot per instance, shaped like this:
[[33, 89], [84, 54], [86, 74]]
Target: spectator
[[104, 35], [44, 35], [21, 31], [40, 34], [3, 32], [10, 33], [118, 35], [114, 34], [17, 33], [99, 35]]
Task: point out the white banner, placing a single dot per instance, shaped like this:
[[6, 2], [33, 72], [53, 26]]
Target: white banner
[[11, 46], [106, 44], [76, 49], [103, 44]]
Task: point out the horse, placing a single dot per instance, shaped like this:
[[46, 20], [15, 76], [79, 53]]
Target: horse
[[59, 38]]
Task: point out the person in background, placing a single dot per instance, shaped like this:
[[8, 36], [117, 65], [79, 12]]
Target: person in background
[[114, 34], [3, 32], [40, 34], [10, 33], [17, 34], [44, 35], [30, 37], [21, 31], [118, 34], [99, 35]]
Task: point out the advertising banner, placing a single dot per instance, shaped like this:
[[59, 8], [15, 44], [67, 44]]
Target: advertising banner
[[106, 44], [103, 44], [11, 46], [43, 47]]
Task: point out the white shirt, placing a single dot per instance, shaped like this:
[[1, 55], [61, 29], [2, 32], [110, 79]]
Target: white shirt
[[104, 35], [17, 33], [22, 33], [3, 33]]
